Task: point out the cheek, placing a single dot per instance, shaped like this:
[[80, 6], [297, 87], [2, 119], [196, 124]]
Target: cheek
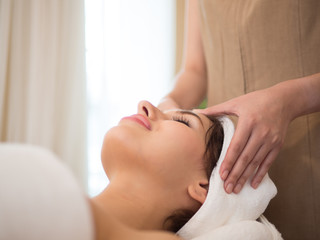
[[171, 154], [175, 152]]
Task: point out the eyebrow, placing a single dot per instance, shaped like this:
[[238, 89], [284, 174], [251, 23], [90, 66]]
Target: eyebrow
[[190, 113]]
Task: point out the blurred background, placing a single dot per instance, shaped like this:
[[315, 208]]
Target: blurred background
[[71, 69]]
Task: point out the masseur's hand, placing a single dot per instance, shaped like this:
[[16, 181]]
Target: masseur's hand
[[263, 120]]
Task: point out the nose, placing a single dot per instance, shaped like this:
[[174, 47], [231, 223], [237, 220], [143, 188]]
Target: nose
[[147, 109]]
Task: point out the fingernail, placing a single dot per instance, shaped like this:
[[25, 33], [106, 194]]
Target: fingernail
[[237, 189], [229, 188], [224, 175], [255, 185]]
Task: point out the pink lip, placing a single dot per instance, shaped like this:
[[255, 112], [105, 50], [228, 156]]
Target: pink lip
[[138, 118]]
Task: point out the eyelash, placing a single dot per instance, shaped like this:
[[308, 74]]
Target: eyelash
[[182, 120]]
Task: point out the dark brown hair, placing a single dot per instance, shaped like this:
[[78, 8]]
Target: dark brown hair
[[214, 140]]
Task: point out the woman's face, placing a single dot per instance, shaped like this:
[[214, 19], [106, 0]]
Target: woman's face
[[169, 146]]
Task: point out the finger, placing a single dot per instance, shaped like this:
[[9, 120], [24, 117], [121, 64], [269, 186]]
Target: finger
[[264, 167], [253, 165], [238, 142], [225, 108], [242, 163]]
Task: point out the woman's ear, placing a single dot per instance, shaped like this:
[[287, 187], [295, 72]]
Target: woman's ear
[[199, 190]]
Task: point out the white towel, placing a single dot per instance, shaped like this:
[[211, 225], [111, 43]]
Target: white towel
[[221, 209], [39, 197]]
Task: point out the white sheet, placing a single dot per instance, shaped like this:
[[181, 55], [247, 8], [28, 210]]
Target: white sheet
[[40, 199]]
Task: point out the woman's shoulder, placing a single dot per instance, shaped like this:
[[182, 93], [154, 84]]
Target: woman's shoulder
[[154, 235], [133, 234]]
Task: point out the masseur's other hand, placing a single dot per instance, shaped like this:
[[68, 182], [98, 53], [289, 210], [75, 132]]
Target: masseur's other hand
[[259, 135]]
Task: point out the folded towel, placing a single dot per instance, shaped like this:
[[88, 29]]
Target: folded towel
[[221, 209], [39, 198]]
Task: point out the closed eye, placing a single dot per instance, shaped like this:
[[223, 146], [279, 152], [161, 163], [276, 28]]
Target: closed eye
[[181, 119], [189, 113]]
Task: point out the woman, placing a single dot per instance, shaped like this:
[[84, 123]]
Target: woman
[[163, 178], [158, 165], [163, 169]]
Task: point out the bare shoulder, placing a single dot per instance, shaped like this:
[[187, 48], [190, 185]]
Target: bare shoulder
[[155, 235]]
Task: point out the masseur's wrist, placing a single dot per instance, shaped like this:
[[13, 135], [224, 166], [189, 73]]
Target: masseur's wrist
[[168, 103], [287, 99], [299, 96]]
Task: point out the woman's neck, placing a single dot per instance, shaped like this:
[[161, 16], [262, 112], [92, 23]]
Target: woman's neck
[[134, 206]]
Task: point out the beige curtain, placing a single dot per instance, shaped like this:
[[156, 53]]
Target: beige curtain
[[42, 77]]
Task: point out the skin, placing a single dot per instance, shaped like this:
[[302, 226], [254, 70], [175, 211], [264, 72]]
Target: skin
[[259, 134], [147, 168], [191, 82]]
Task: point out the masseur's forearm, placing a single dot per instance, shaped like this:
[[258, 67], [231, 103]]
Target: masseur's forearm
[[302, 95], [188, 93], [191, 83]]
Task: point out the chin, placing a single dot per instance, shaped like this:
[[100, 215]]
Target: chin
[[119, 145]]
